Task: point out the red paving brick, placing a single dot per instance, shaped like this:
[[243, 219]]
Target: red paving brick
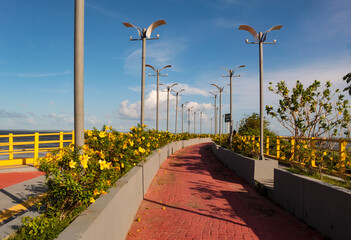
[[194, 196], [12, 178]]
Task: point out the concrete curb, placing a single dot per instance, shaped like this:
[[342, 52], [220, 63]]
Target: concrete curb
[[324, 206], [249, 169], [111, 216]]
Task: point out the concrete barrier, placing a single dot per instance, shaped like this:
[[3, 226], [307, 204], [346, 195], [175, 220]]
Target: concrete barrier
[[324, 206], [111, 216], [250, 169]]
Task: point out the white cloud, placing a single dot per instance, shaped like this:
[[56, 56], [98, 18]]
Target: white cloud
[[10, 114], [62, 119], [35, 75], [104, 11]]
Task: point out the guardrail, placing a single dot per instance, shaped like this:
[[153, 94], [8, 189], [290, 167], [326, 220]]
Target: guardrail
[[30, 145], [332, 154]]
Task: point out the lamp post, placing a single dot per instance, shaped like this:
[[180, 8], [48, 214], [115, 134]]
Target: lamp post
[[220, 90], [144, 35], [189, 109], [157, 71], [182, 115], [79, 73], [194, 122], [215, 94], [168, 89], [211, 126], [176, 118], [200, 122], [231, 74], [260, 39]]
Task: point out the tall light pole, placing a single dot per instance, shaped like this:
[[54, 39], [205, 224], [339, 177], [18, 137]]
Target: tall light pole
[[144, 35], [79, 73], [182, 115], [157, 71], [189, 109], [215, 94], [231, 74], [168, 89], [194, 122], [200, 122], [260, 39], [211, 126], [176, 118], [220, 90]]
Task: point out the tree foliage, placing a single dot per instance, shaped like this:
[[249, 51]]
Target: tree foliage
[[347, 78], [250, 125], [312, 111]]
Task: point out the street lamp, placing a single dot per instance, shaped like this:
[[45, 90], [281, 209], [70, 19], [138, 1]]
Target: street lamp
[[194, 122], [220, 90], [260, 39], [231, 75], [79, 73], [144, 35], [182, 114], [201, 122], [168, 89], [215, 94], [211, 126], [157, 71], [176, 118], [189, 109]]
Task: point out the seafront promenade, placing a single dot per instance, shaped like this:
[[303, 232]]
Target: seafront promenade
[[194, 196]]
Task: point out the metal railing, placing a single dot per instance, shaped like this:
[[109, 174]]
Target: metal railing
[[26, 148], [308, 151]]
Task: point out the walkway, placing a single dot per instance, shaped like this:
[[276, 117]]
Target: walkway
[[17, 185], [194, 196]]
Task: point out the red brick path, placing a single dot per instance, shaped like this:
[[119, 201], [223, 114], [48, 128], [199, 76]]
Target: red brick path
[[194, 196], [12, 178]]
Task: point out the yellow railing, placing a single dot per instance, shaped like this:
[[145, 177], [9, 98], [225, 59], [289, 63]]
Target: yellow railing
[[27, 146], [288, 149]]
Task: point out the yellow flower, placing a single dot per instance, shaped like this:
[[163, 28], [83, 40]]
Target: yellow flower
[[103, 192], [102, 134], [84, 160], [124, 145], [142, 150], [90, 133], [104, 165], [143, 138], [257, 144], [331, 158], [96, 192], [92, 200], [324, 153], [148, 144], [72, 164], [107, 128], [305, 146], [131, 143], [122, 165], [102, 155]]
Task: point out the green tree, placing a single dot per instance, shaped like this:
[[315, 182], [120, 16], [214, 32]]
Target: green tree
[[347, 78], [311, 111], [250, 125]]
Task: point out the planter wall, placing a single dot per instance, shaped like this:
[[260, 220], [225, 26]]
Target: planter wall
[[111, 216], [250, 169], [324, 206]]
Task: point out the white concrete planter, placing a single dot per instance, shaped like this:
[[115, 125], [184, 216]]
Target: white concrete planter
[[111, 216], [249, 169], [324, 206]]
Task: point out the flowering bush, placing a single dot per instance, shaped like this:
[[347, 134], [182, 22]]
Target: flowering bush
[[76, 177]]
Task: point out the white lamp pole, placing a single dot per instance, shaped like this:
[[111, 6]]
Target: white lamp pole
[[144, 35], [260, 38]]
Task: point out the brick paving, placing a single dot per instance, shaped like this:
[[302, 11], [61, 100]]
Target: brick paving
[[194, 196]]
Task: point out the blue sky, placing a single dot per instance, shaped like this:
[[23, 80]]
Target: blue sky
[[36, 56]]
